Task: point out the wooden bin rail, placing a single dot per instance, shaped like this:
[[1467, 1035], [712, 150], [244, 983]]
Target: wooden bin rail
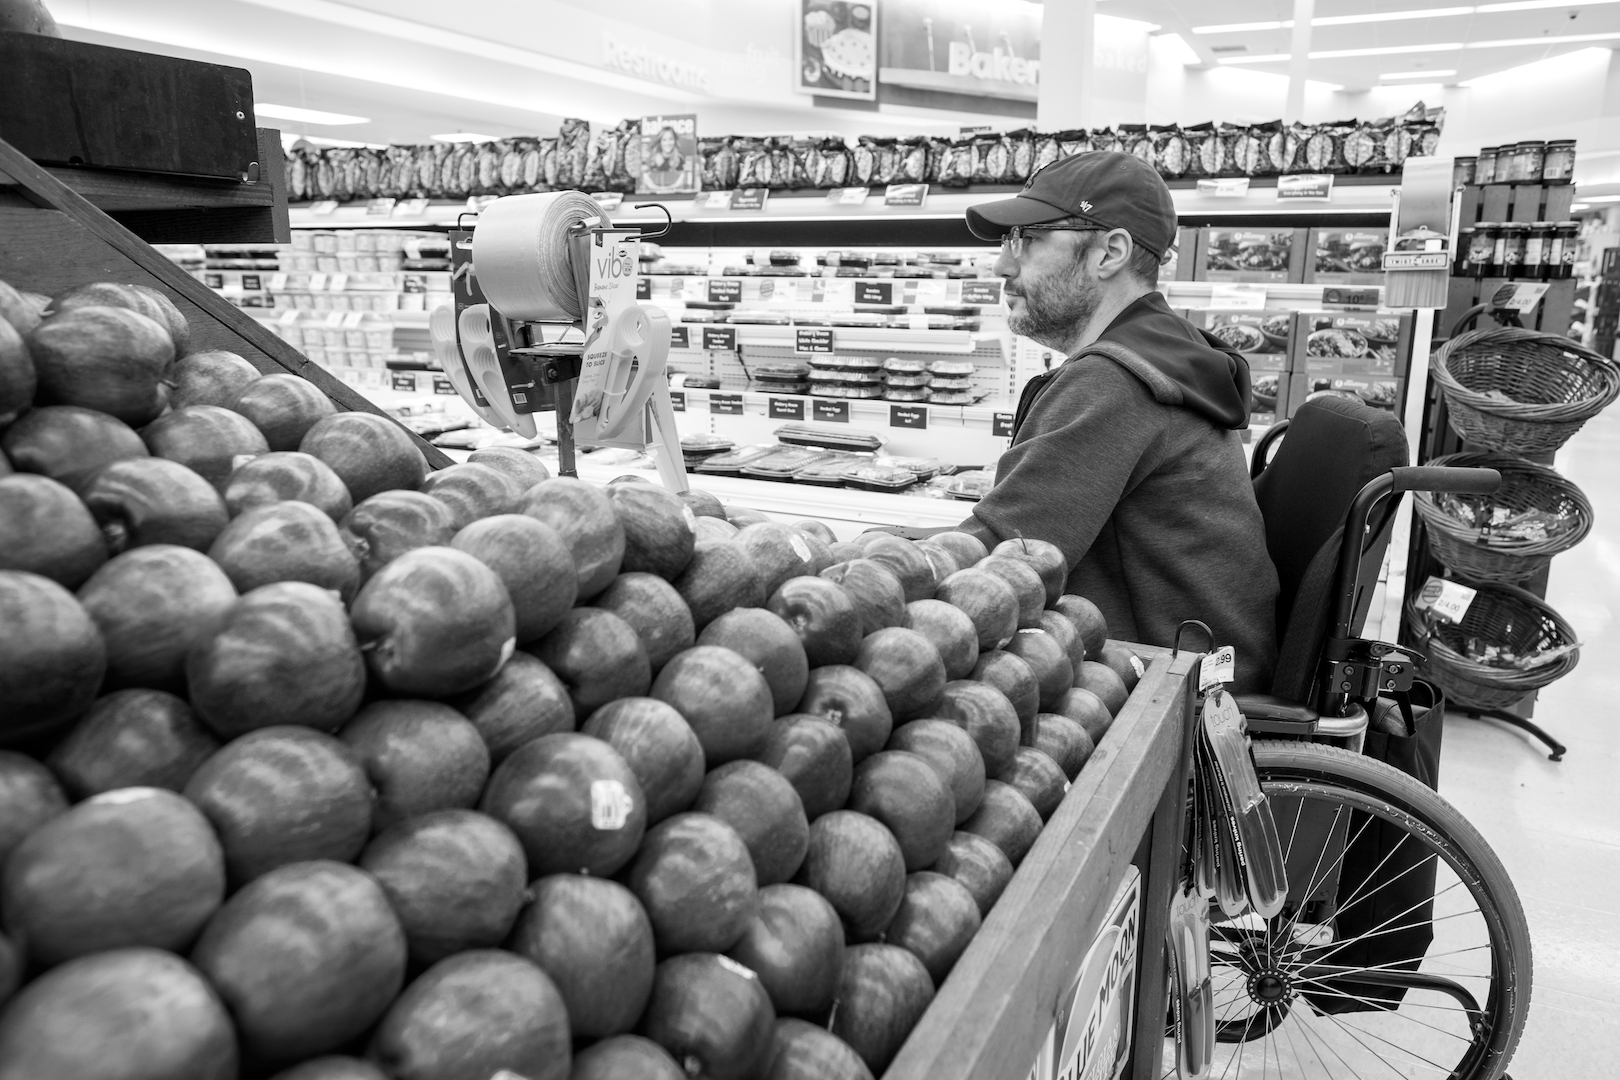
[[992, 1015], [64, 240]]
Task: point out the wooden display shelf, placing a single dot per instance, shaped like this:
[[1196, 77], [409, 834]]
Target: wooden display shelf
[[162, 209], [53, 238], [991, 1017]]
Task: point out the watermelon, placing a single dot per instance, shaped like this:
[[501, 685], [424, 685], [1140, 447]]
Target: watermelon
[[694, 877], [796, 947], [659, 747], [29, 797], [524, 701]]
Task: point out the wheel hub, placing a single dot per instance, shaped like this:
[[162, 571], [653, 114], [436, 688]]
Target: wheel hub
[[1271, 986]]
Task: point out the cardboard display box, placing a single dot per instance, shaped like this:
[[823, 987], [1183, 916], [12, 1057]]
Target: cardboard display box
[[1254, 254], [1346, 256], [1369, 344], [1179, 266], [1379, 392], [1265, 338]]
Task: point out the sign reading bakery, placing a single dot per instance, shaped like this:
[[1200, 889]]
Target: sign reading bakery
[[984, 48], [835, 49]]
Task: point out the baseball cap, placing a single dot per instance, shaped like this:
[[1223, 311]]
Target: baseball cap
[[1104, 188]]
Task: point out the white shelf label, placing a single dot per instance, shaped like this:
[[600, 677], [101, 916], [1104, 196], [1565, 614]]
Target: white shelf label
[[1241, 297], [1449, 600]]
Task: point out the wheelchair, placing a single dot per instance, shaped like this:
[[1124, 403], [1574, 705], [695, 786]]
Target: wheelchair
[[1402, 949]]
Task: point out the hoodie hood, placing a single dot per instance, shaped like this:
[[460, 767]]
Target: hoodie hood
[[1184, 365]]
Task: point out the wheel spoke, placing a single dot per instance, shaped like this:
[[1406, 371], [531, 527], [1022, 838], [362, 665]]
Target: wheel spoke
[[1384, 1011], [1355, 1034]]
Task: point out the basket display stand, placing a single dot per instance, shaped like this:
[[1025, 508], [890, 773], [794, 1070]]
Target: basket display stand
[[1438, 439]]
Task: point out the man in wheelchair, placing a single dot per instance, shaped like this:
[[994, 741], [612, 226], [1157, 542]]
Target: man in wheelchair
[[1127, 455]]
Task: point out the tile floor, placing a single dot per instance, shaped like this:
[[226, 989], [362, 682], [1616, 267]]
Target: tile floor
[[1556, 826]]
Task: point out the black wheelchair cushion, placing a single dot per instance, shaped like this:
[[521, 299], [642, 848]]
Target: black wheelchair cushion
[[1333, 448]]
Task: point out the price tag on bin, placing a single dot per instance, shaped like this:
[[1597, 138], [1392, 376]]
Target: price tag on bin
[[1217, 668], [1448, 600]]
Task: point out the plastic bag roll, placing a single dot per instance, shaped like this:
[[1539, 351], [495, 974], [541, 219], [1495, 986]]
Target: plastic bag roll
[[520, 251]]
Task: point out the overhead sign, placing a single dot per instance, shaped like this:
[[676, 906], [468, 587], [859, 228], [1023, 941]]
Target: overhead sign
[[986, 48]]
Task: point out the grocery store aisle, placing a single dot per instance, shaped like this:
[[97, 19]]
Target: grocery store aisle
[[1556, 826]]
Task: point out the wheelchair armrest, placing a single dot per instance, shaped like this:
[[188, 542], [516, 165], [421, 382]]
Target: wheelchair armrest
[[1269, 714]]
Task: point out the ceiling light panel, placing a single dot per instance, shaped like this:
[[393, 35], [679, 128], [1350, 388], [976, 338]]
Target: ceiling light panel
[[1437, 73], [307, 116]]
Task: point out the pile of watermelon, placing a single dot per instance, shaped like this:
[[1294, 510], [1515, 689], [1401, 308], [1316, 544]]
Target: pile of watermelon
[[323, 766]]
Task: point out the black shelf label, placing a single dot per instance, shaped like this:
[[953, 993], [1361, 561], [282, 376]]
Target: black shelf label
[[402, 380], [725, 291], [905, 194], [1001, 423], [813, 340], [749, 198], [679, 338], [442, 385], [728, 404], [720, 337], [981, 292], [677, 400], [251, 281], [786, 408], [836, 412], [874, 292], [908, 416], [643, 289]]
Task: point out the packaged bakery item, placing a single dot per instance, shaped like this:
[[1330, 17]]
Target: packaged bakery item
[[1138, 143], [731, 462], [1172, 155], [1048, 149], [951, 382], [956, 168], [754, 164], [907, 382], [830, 437], [911, 160], [573, 148], [864, 162], [970, 486], [781, 464], [1074, 141], [905, 365], [938, 396], [891, 392], [1022, 145], [862, 390], [717, 164], [920, 467], [1324, 147], [950, 367]]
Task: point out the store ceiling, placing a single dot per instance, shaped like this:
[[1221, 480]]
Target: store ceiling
[[1361, 43]]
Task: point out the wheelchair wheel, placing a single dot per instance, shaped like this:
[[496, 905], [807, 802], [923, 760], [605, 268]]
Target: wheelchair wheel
[[1403, 951]]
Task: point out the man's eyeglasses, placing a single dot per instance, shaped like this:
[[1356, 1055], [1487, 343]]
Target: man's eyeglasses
[[1014, 239]]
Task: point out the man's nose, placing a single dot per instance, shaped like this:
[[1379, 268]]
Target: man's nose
[[1006, 266]]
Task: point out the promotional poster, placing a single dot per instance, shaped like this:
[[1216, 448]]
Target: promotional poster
[[835, 49], [669, 154]]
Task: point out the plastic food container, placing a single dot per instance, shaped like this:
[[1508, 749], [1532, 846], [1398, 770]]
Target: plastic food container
[[731, 462], [907, 381], [949, 397], [1481, 249], [828, 470], [878, 478], [922, 468], [904, 366], [841, 362], [905, 393], [782, 463], [829, 436], [945, 382], [951, 367], [781, 371], [970, 486]]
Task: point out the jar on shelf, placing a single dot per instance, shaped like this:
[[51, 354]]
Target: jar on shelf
[[1537, 247], [1485, 166], [1462, 171], [1528, 158], [1511, 246], [1461, 261], [1482, 251], [1561, 260], [1558, 166]]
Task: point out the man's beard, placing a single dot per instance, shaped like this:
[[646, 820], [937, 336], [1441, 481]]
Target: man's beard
[[1057, 307]]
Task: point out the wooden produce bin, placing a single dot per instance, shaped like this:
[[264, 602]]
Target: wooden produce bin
[[994, 1016], [52, 237]]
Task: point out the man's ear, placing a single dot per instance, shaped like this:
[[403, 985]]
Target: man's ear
[[1117, 247]]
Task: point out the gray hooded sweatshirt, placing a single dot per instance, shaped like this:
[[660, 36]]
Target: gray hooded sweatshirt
[[1132, 464]]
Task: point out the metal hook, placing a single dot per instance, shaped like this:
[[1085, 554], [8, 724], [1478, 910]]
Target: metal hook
[[1190, 624], [463, 214], [669, 219]]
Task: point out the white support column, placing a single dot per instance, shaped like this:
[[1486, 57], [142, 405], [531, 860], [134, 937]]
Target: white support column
[[1068, 46], [1299, 59]]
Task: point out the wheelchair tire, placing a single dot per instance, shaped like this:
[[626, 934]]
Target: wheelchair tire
[[1314, 997]]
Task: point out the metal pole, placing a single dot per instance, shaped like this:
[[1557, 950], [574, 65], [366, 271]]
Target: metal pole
[[1299, 59]]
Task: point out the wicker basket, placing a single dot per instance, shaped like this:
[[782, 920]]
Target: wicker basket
[[1522, 391], [1504, 616], [1481, 554]]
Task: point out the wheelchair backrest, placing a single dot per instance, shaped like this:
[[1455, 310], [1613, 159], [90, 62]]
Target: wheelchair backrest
[[1333, 447]]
